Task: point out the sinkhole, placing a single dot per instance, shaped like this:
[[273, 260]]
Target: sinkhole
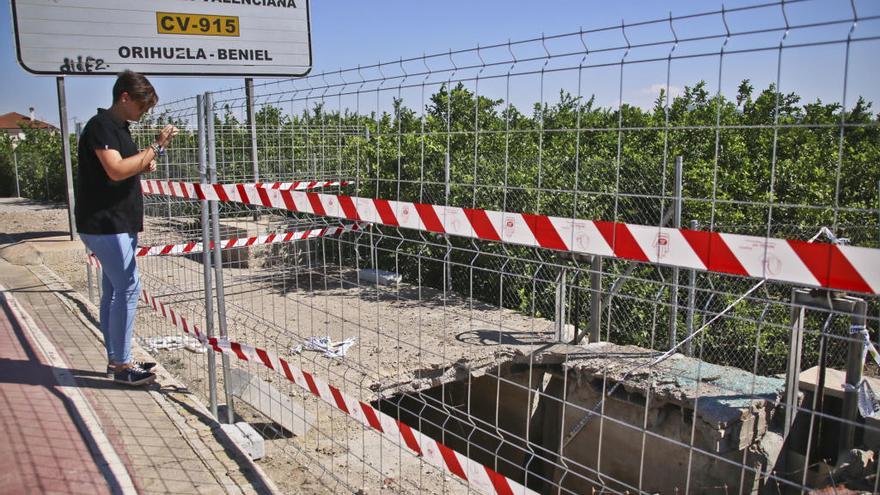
[[684, 422]]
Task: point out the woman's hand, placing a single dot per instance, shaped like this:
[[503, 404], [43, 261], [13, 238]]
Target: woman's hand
[[149, 167], [166, 135]]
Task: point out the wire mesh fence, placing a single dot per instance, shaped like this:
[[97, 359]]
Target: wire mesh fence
[[560, 372]]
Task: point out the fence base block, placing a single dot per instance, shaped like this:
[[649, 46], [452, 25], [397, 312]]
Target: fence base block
[[246, 437]]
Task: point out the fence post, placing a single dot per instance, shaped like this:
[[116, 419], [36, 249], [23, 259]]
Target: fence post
[[77, 129], [692, 302], [90, 280], [98, 276], [857, 309], [596, 299], [673, 290], [252, 130], [448, 266], [252, 125], [855, 359], [559, 317], [218, 255], [169, 200], [792, 375], [206, 254]]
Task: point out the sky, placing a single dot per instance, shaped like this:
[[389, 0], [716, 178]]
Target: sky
[[346, 33]]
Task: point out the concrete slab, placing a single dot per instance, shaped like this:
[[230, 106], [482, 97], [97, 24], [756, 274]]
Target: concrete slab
[[725, 395], [247, 438], [21, 254], [263, 397], [834, 380], [724, 412]]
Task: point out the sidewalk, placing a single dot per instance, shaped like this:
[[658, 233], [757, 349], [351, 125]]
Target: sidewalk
[[42, 437], [71, 430]]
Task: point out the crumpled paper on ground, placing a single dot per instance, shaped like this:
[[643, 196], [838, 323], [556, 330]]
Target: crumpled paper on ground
[[172, 343], [326, 346]]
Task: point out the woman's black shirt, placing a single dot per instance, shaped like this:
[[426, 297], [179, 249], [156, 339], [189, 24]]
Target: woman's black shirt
[[105, 206]]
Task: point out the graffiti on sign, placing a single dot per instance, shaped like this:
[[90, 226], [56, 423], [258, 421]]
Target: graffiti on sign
[[83, 64]]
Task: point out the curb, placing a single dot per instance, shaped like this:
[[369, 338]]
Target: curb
[[166, 380]]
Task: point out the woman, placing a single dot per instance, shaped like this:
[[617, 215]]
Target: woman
[[109, 213]]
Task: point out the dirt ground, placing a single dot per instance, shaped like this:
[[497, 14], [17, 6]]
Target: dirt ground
[[45, 228], [405, 340]]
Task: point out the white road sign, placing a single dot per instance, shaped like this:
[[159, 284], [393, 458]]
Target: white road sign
[[163, 37]]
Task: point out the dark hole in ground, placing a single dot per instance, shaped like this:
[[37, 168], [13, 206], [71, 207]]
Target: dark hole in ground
[[487, 419]]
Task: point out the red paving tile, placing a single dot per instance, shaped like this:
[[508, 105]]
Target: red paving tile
[[44, 451]]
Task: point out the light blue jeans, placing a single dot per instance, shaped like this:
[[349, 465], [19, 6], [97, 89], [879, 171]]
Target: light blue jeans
[[121, 288]]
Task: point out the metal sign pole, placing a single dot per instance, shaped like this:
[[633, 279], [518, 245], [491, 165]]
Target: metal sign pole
[[65, 150]]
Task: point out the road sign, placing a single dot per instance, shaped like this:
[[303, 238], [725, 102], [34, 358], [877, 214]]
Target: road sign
[[258, 38]]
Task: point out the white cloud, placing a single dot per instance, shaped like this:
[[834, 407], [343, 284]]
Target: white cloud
[[654, 90]]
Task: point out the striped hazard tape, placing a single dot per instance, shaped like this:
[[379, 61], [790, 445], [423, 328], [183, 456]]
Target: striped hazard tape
[[848, 268], [240, 242], [300, 185], [482, 478]]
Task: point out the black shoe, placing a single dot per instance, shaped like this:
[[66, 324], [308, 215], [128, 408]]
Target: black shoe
[[134, 375], [144, 366]]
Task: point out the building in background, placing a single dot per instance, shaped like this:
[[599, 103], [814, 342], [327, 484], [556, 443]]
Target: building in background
[[14, 123]]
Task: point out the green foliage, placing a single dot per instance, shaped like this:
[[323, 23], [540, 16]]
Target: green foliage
[[572, 158], [569, 158], [40, 165]]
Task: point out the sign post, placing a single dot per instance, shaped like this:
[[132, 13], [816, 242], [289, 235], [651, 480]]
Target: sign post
[[65, 150]]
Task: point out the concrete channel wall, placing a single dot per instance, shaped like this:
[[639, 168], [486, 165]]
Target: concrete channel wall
[[542, 396]]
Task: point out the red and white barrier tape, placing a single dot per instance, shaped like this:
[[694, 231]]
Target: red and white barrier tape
[[834, 266], [299, 185], [480, 477], [240, 242]]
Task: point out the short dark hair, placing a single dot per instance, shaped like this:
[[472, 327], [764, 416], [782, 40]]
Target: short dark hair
[[138, 88]]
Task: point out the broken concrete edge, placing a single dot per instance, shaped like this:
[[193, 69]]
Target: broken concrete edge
[[720, 394], [723, 396], [163, 377], [420, 380]]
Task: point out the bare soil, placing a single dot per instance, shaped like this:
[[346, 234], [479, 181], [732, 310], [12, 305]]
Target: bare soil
[[407, 338]]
